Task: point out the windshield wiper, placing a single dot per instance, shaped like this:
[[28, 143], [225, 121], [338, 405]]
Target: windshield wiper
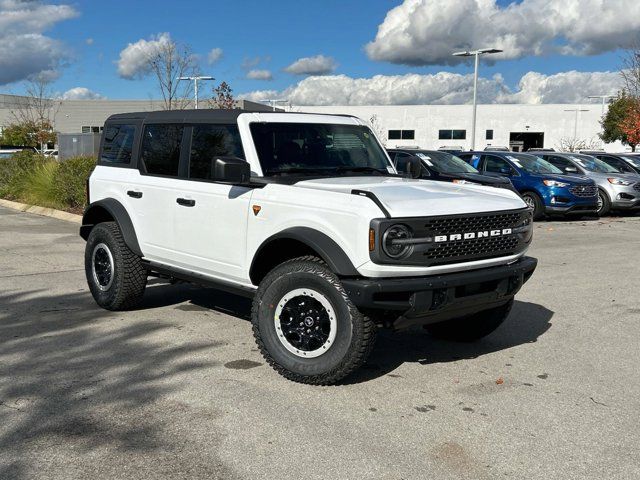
[[347, 168]]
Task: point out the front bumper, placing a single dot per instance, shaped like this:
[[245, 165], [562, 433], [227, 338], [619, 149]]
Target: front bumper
[[432, 299], [624, 197], [580, 209]]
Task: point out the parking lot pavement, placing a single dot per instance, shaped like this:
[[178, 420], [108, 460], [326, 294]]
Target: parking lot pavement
[[177, 388]]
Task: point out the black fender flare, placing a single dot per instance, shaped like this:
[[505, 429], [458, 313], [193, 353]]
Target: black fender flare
[[119, 213], [330, 252]]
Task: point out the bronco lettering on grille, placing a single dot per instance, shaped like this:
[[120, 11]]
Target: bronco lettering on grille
[[471, 235]]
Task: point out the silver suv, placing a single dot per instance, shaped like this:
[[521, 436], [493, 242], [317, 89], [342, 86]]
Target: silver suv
[[616, 190]]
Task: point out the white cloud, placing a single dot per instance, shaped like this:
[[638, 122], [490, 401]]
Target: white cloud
[[81, 93], [442, 88], [318, 65], [214, 55], [259, 75], [24, 50], [133, 61], [426, 32], [89, 41]]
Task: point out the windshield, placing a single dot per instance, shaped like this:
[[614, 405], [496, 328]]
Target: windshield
[[635, 161], [533, 164], [592, 164], [444, 162], [318, 149]]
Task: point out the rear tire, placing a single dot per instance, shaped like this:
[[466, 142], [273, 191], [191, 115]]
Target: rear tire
[[116, 277], [473, 327], [534, 201], [604, 204], [306, 327]]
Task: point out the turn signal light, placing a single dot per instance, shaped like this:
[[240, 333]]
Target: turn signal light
[[372, 239]]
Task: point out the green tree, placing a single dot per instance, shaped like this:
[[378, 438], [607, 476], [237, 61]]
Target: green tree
[[614, 118], [28, 133]]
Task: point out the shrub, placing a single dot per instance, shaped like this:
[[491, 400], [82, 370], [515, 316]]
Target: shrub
[[15, 170], [37, 188], [70, 180]]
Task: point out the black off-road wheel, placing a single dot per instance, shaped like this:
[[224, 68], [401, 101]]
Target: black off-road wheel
[[534, 202], [471, 328], [116, 276], [306, 327]]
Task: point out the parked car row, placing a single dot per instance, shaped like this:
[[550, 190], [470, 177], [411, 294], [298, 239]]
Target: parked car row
[[551, 183]]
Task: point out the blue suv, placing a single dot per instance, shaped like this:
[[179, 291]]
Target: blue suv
[[543, 187]]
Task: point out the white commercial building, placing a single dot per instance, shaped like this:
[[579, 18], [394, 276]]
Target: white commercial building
[[427, 126], [519, 127]]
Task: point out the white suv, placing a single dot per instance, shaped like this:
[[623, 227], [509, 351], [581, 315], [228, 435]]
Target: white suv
[[306, 214]]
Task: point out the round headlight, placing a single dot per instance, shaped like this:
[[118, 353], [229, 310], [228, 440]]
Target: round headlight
[[393, 248]]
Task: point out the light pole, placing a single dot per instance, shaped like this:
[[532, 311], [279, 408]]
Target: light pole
[[275, 101], [476, 54], [604, 99], [195, 84], [575, 124]]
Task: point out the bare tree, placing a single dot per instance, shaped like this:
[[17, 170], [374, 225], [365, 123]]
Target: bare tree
[[223, 97], [36, 111], [378, 129], [168, 62], [571, 144], [630, 71]]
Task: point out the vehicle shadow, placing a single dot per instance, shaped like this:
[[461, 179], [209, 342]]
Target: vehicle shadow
[[526, 323], [68, 377]]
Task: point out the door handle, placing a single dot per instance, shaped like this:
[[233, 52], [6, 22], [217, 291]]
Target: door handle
[[186, 202], [134, 194]]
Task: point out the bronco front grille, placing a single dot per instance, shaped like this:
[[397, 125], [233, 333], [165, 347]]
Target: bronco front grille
[[584, 191], [462, 238]]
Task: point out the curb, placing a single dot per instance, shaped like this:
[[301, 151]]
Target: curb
[[46, 212]]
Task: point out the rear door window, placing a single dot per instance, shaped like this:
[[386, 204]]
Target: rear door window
[[161, 149], [117, 144], [209, 142]]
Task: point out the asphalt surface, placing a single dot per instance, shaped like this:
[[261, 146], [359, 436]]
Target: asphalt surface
[[177, 389]]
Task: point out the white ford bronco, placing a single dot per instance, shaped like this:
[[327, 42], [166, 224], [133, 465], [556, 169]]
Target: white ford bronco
[[306, 214]]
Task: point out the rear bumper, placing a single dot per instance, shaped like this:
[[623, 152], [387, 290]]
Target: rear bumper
[[432, 299]]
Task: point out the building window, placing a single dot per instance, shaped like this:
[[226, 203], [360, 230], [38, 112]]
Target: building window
[[402, 134], [408, 134], [90, 129], [489, 135], [452, 134]]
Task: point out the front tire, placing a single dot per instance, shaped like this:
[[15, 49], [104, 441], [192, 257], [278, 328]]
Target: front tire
[[116, 276], [604, 204], [306, 327], [534, 201], [473, 327]]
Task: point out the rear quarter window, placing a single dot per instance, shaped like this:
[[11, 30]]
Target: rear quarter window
[[117, 144]]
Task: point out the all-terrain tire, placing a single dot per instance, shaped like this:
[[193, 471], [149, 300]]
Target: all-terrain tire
[[473, 327], [354, 332], [122, 286], [533, 200]]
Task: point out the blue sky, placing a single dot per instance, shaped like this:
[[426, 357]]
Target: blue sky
[[274, 34]]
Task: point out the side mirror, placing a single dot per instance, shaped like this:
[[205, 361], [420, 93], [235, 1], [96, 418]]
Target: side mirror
[[570, 169], [411, 167], [231, 170]]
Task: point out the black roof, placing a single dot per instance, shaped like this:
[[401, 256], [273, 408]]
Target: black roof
[[212, 115]]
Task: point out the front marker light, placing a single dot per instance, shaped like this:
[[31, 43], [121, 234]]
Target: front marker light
[[619, 181], [372, 239], [392, 241], [555, 183]]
